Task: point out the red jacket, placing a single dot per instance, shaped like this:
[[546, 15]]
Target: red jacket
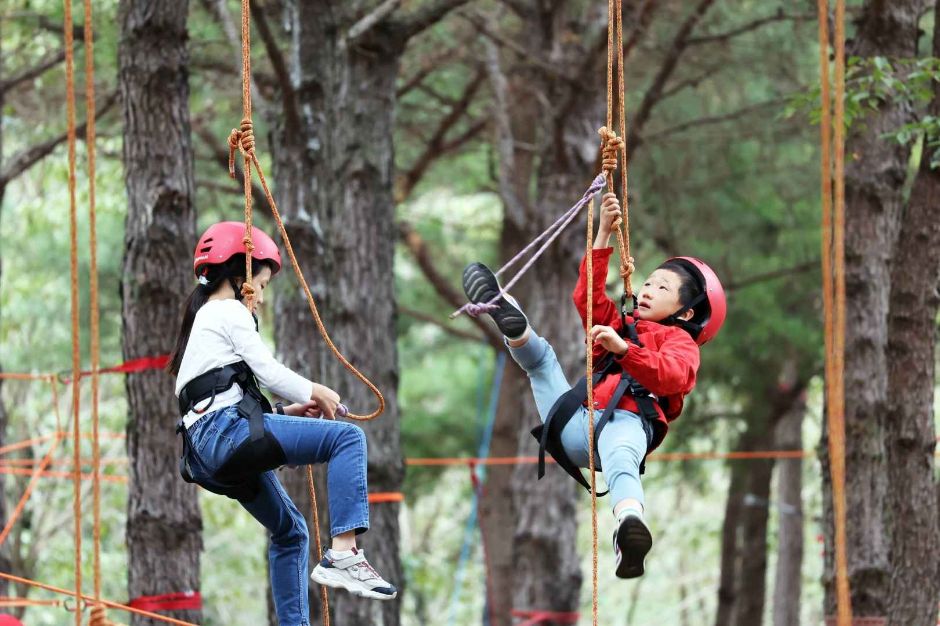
[[666, 363]]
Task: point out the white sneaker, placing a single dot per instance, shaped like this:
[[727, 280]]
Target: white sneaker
[[351, 571]]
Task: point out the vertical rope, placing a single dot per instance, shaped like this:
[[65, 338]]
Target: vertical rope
[[324, 598], [248, 290], [833, 268], [93, 290], [623, 225], [589, 366], [73, 268]]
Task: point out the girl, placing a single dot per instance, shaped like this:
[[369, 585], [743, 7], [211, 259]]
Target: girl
[[641, 380], [233, 440]]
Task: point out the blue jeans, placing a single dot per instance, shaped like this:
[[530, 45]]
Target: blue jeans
[[623, 442], [305, 441]]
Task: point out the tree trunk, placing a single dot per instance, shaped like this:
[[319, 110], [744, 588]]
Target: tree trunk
[[788, 578], [874, 177], [744, 535], [742, 588], [334, 172], [164, 526], [911, 509]]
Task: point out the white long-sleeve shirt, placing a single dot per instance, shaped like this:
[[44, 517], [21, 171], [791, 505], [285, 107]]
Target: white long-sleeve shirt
[[224, 333]]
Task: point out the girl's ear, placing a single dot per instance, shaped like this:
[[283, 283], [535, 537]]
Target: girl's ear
[[687, 315]]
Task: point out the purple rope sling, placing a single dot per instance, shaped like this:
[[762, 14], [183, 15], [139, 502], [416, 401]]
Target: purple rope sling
[[552, 233]]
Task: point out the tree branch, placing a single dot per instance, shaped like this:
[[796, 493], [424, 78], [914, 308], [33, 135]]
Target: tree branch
[[422, 256], [434, 147], [428, 66], [371, 20], [772, 275], [447, 328], [549, 68], [422, 18], [288, 96], [32, 72], [654, 94], [28, 157], [750, 26], [592, 58], [715, 119]]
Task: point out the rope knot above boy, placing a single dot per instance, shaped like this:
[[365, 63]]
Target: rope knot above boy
[[611, 145]]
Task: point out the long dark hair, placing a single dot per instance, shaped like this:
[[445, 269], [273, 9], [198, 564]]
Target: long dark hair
[[232, 271]]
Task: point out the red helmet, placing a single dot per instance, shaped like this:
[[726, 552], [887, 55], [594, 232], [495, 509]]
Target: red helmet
[[224, 240], [703, 330], [9, 620]]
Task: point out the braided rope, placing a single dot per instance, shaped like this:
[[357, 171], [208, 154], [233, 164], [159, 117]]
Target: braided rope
[[73, 267], [833, 268]]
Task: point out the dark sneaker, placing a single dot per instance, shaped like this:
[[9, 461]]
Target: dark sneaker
[[481, 286], [354, 574], [632, 541]]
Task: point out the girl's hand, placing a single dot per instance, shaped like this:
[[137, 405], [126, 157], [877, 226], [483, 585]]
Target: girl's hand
[[305, 409], [608, 338], [610, 213], [325, 399]]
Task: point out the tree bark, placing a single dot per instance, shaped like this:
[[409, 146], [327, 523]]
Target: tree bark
[[911, 509], [874, 177], [788, 578], [164, 526]]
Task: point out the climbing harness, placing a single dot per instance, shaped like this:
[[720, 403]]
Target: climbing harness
[[239, 477]]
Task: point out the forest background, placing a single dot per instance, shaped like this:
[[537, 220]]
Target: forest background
[[406, 138]]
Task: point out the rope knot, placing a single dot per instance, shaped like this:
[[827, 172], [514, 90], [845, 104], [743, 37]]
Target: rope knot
[[243, 140], [611, 145], [249, 245], [627, 269], [248, 290]]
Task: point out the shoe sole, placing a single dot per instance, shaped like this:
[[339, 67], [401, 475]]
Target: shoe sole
[[321, 577], [481, 286], [634, 541]]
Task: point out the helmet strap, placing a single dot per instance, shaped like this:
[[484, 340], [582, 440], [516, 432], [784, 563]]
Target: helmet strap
[[687, 325]]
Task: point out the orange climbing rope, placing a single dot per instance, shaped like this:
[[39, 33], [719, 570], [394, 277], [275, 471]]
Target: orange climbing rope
[[73, 263], [833, 270], [95, 344]]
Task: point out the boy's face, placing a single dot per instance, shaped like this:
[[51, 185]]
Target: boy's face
[[659, 297]]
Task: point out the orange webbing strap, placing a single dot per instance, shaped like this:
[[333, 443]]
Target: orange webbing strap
[[244, 141], [589, 365], [833, 270], [95, 346], [324, 598], [82, 599], [73, 259]]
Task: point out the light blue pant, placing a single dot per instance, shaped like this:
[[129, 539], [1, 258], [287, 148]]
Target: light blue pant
[[305, 441], [623, 441]]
